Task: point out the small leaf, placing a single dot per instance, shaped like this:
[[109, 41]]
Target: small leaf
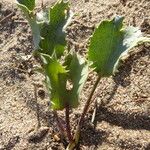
[[27, 7], [78, 73], [56, 77], [110, 43]]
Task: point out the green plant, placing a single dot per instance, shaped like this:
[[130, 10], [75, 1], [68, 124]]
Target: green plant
[[65, 70]]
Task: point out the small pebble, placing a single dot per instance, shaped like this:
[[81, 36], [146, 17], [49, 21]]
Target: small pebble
[[56, 138]]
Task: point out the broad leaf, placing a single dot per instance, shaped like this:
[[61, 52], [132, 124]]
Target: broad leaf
[[77, 75], [110, 43], [56, 77]]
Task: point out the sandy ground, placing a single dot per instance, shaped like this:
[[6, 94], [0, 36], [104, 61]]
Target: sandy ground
[[123, 123]]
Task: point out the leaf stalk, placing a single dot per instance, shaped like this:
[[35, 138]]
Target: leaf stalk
[[88, 102], [60, 126]]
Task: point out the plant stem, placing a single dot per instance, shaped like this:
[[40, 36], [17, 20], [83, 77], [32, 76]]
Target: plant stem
[[75, 141], [68, 129], [88, 102], [60, 126]]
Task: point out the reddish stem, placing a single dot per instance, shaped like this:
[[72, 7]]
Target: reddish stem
[[86, 107], [60, 126]]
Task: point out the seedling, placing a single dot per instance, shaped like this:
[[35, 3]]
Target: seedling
[[65, 70]]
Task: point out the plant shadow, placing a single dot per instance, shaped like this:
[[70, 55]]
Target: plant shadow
[[43, 115], [126, 120], [91, 137]]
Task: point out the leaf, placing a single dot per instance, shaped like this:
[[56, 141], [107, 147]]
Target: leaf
[[52, 32], [56, 77], [78, 73], [110, 43], [58, 13], [27, 7]]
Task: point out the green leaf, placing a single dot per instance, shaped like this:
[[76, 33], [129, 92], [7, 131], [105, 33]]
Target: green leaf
[[27, 7], [58, 13], [110, 43], [77, 75], [56, 77], [29, 4], [53, 32]]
